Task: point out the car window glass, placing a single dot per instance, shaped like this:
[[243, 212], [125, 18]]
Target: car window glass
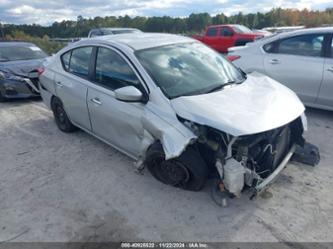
[[94, 33], [65, 60], [79, 62], [112, 71], [306, 45], [225, 32], [21, 52], [212, 32], [269, 47], [187, 69]]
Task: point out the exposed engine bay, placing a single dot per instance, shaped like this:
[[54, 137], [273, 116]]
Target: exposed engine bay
[[248, 160]]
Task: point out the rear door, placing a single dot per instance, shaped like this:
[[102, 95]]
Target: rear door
[[71, 84], [298, 62], [226, 39], [325, 97], [211, 38], [116, 122]]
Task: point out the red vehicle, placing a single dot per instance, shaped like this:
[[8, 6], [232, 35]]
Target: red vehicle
[[222, 37]]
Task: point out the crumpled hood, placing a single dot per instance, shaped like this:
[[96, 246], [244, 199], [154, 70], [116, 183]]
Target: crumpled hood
[[22, 68], [257, 105]]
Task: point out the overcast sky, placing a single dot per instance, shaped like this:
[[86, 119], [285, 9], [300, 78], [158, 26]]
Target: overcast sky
[[45, 12]]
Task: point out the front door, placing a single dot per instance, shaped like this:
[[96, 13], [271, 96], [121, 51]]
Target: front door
[[116, 122]]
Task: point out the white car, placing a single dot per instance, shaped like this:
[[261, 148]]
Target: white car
[[302, 60], [177, 106]]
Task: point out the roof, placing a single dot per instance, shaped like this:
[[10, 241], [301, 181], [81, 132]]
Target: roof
[[138, 41], [312, 30], [113, 29], [224, 25], [274, 37]]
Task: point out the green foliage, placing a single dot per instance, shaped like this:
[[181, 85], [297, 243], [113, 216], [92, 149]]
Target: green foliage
[[44, 43], [187, 25]]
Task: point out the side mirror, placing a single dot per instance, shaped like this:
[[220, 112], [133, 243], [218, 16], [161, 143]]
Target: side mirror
[[128, 94]]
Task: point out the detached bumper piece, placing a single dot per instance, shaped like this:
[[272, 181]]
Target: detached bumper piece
[[308, 154], [267, 181]]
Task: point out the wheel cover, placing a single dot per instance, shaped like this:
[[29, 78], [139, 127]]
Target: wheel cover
[[60, 114], [175, 173]]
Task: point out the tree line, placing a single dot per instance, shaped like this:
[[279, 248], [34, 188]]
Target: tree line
[[194, 23]]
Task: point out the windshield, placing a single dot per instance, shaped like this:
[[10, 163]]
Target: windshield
[[14, 53], [116, 32], [188, 69], [242, 29], [119, 31]]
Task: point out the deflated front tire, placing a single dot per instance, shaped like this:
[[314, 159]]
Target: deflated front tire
[[188, 171]]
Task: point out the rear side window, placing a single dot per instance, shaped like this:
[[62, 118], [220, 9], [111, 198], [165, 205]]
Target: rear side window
[[65, 58], [305, 45], [112, 71], [79, 62], [212, 32]]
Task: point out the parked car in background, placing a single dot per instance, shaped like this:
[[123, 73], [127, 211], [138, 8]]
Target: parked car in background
[[176, 105], [262, 32], [282, 29], [111, 31], [301, 60], [222, 37], [20, 66]]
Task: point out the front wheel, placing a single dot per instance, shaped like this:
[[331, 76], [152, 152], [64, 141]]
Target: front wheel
[[2, 98], [188, 171], [60, 116]]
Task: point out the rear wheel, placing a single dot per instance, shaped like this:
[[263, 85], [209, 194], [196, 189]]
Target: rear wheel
[[188, 171], [60, 116]]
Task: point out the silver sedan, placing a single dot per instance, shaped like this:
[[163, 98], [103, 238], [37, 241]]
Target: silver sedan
[[177, 107], [302, 60]]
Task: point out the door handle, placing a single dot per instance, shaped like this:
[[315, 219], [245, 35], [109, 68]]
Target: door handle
[[96, 101], [274, 61], [58, 83], [330, 69]]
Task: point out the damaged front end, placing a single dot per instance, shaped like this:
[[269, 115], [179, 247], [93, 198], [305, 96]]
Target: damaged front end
[[248, 160], [17, 84]]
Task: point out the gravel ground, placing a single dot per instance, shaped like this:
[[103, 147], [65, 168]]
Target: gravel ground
[[72, 187]]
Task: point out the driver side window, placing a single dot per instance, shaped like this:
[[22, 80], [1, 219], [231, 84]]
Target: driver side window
[[112, 71]]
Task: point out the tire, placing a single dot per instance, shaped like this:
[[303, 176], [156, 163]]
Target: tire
[[2, 98], [60, 116], [188, 171]]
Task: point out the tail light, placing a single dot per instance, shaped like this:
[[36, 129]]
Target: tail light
[[232, 58], [40, 70]]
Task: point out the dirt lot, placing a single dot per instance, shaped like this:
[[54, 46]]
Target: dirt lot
[[60, 187]]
